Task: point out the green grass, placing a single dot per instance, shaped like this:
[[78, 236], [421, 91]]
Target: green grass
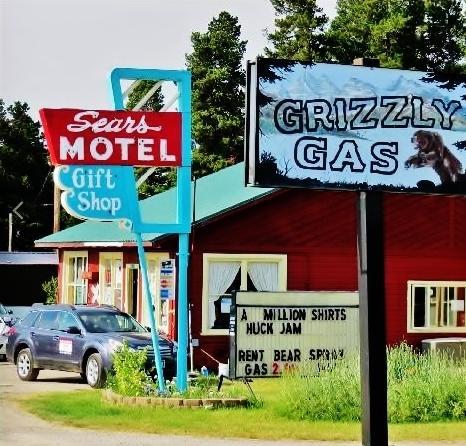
[[85, 408]]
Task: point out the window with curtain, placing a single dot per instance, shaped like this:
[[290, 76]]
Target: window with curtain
[[436, 306], [224, 274], [111, 278], [75, 287]]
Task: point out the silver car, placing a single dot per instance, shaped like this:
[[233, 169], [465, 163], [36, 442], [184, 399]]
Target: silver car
[[6, 320]]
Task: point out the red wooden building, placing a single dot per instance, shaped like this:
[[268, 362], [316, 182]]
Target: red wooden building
[[287, 239]]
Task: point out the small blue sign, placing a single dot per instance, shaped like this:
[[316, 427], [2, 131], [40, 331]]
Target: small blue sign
[[98, 192]]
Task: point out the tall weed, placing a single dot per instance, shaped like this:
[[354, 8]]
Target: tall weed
[[427, 387], [421, 387], [333, 393]]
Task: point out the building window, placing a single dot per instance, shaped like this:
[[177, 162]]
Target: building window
[[111, 278], [160, 305], [225, 273], [74, 286], [436, 306]]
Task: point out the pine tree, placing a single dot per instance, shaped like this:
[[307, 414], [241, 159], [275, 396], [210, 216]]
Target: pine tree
[[444, 34], [218, 80], [299, 31], [25, 176], [162, 178], [388, 30]]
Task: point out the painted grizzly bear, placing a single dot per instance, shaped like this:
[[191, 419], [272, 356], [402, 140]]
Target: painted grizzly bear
[[431, 151]]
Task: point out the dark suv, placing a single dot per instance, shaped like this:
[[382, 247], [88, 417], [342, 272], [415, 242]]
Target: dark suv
[[80, 338]]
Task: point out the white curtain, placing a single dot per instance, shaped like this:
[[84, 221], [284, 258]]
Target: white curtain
[[264, 275], [221, 276]]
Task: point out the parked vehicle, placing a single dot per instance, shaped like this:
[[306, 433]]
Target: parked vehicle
[[80, 338], [6, 321]]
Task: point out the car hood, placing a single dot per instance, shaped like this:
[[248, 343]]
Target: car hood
[[139, 339]]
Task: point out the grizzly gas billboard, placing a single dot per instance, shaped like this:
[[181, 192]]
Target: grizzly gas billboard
[[353, 127]]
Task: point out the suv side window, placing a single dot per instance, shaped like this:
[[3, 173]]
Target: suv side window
[[48, 320], [28, 320], [66, 320]]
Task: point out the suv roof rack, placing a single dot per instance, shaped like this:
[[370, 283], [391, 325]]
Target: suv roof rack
[[59, 305], [96, 305]]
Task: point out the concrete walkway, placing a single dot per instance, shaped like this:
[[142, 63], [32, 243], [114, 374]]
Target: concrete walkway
[[20, 428]]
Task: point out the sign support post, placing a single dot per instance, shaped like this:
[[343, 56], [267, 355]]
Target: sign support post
[[149, 303], [373, 357], [182, 227]]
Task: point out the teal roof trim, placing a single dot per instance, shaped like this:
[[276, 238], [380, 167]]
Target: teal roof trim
[[213, 195]]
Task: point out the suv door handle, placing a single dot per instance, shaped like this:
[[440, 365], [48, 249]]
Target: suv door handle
[[56, 338], [33, 334]]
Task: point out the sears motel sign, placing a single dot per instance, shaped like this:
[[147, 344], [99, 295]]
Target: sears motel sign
[[122, 138], [271, 332]]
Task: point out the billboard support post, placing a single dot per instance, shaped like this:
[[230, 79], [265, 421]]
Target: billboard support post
[[373, 357]]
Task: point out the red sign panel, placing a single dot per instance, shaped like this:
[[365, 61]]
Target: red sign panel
[[111, 137]]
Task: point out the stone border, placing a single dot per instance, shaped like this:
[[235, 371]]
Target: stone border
[[187, 403]]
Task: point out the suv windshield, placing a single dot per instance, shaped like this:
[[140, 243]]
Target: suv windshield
[[109, 321]]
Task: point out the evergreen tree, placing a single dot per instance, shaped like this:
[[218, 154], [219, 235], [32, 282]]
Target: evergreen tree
[[444, 34], [299, 31], [163, 177], [218, 80], [385, 29], [25, 176], [154, 103]]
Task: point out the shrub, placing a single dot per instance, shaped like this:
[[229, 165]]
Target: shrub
[[421, 388], [50, 288], [128, 376]]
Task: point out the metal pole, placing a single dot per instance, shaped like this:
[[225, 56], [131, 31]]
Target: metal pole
[[184, 216], [372, 320], [10, 230], [150, 309], [191, 349], [181, 364]]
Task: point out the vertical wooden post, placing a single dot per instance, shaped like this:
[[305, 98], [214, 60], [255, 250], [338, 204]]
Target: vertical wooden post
[[10, 231], [372, 319], [56, 208]]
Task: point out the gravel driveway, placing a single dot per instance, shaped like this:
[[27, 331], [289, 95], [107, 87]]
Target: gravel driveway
[[20, 428]]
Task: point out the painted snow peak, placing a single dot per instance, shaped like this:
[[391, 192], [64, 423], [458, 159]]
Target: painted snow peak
[[352, 127], [113, 137]]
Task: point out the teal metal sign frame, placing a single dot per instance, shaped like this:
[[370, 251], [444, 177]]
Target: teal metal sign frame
[[182, 225]]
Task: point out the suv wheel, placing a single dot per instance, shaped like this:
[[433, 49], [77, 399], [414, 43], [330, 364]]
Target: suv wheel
[[24, 367], [95, 373]]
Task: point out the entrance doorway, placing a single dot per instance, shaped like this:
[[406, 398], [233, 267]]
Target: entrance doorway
[[132, 288]]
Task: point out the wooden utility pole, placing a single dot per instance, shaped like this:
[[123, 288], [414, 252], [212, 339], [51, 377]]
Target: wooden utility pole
[[56, 208], [371, 268], [372, 319]]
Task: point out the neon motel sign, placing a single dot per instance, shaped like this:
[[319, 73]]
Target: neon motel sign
[[92, 149], [113, 137]]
